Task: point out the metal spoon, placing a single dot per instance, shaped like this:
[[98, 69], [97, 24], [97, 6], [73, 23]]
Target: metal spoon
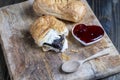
[[72, 66]]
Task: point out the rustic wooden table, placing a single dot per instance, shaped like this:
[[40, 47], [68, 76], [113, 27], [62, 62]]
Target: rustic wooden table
[[107, 11]]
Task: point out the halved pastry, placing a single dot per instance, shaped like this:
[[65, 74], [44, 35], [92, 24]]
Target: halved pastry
[[71, 10], [50, 34]]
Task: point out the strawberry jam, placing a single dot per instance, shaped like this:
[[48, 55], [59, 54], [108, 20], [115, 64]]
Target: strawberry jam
[[88, 34]]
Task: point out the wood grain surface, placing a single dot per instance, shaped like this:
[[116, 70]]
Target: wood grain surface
[[108, 13], [117, 18], [9, 2], [4, 75]]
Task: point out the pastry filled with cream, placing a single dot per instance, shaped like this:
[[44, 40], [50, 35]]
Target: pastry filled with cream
[[50, 34]]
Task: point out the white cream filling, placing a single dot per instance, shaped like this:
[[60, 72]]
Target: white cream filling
[[65, 45], [51, 36]]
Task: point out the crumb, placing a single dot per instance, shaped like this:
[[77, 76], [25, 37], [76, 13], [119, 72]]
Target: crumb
[[65, 57], [75, 51]]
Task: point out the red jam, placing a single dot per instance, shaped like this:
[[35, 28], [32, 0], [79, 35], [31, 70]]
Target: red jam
[[88, 33]]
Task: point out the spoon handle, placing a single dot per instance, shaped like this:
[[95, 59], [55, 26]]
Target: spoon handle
[[99, 54]]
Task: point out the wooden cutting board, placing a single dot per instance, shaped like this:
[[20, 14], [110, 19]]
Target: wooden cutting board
[[26, 61]]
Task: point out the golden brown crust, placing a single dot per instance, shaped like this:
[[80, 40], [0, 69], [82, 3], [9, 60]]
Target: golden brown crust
[[42, 25], [71, 10]]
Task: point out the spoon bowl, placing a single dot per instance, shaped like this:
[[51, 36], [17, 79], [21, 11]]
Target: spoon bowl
[[70, 66]]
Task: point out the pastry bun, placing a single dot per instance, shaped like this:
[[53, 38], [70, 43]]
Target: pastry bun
[[70, 10], [49, 30]]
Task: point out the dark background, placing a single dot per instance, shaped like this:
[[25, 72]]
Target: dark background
[[108, 13]]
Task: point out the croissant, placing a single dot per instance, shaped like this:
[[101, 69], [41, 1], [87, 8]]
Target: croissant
[[70, 10], [50, 34]]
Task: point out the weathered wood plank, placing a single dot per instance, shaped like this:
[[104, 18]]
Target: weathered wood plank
[[3, 69], [26, 61], [9, 2], [108, 12]]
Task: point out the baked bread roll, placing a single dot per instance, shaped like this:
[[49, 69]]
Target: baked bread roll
[[71, 10], [50, 34]]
